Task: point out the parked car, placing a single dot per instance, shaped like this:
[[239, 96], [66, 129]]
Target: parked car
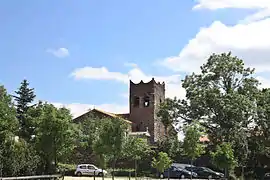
[[175, 172], [205, 173], [89, 170], [183, 166], [267, 176]]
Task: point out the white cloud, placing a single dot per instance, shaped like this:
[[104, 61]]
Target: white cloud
[[98, 74], [257, 16], [262, 7], [240, 4], [78, 109], [251, 42], [173, 82], [265, 83], [60, 53]]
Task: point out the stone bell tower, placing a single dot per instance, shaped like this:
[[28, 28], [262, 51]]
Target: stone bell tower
[[144, 101]]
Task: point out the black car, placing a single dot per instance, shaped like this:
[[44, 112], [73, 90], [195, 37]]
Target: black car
[[175, 172], [205, 173], [267, 176]]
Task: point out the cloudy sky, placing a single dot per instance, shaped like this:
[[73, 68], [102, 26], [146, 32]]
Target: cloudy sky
[[82, 54]]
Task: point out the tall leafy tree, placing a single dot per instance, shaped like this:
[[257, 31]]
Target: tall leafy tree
[[168, 113], [172, 146], [8, 127], [8, 122], [110, 139], [56, 135], [24, 97], [259, 143], [135, 149], [222, 97], [162, 162], [224, 158], [192, 146]]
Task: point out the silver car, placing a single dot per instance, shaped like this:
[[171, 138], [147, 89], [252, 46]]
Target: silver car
[[89, 170]]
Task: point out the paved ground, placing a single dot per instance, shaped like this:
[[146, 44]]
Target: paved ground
[[106, 178]]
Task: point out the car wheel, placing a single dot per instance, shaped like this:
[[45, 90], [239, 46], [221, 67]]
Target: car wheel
[[78, 174], [182, 176], [210, 177], [100, 174], [161, 176]]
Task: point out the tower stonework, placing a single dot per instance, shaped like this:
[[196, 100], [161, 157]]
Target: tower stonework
[[144, 101]]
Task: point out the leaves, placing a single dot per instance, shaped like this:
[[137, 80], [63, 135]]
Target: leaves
[[223, 157], [135, 148], [192, 146], [25, 96], [162, 162], [8, 122], [56, 134]]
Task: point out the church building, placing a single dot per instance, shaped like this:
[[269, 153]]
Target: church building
[[144, 101]]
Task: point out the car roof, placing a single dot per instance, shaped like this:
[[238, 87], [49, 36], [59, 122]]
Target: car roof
[[182, 165], [86, 165]]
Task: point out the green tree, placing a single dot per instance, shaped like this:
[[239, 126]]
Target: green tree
[[56, 135], [24, 97], [135, 149], [111, 134], [172, 146], [168, 113], [192, 146], [222, 97], [8, 127], [8, 123], [224, 158], [162, 162]]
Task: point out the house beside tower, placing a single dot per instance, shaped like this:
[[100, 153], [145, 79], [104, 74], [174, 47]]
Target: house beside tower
[[144, 101]]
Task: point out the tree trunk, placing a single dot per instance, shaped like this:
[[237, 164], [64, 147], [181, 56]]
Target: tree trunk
[[114, 162], [135, 170], [243, 174], [191, 162], [55, 155]]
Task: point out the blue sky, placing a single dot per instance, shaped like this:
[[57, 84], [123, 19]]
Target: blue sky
[[61, 46]]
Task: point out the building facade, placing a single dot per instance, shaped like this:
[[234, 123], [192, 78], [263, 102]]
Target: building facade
[[144, 101]]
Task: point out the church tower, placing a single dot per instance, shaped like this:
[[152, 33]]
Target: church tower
[[144, 101]]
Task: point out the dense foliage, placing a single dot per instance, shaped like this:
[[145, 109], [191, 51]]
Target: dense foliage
[[224, 99], [33, 137]]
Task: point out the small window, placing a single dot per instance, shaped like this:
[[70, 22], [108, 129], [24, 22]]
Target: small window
[[82, 167], [137, 128], [91, 167], [136, 101], [146, 102], [160, 101]]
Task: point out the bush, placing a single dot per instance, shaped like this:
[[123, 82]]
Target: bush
[[66, 169]]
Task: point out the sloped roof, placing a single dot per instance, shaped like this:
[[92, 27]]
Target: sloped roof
[[105, 113]]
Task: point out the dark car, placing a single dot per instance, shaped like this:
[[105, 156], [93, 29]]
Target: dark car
[[174, 172], [267, 176], [205, 173]]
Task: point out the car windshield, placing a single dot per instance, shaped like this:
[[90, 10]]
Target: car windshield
[[209, 170], [183, 170]]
